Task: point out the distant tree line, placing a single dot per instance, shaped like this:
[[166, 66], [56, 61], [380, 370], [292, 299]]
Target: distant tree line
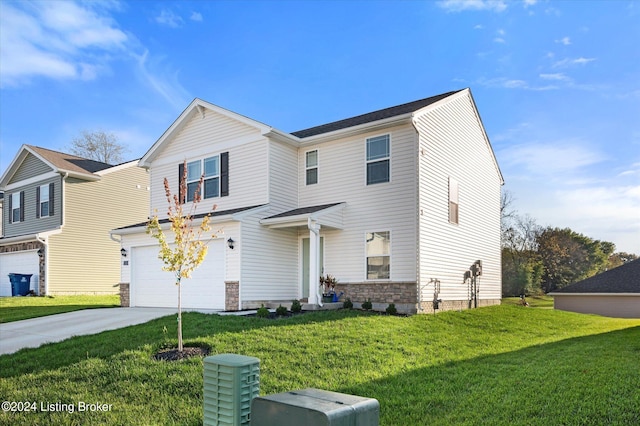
[[539, 260]]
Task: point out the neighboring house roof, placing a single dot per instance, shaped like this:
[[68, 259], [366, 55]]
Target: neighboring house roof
[[372, 116], [59, 162], [623, 279]]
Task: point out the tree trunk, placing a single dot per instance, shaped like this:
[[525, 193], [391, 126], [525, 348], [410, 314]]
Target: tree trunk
[[179, 316]]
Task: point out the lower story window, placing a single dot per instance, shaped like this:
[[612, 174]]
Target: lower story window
[[378, 255]]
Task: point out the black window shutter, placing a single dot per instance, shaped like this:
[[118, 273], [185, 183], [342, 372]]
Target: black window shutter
[[180, 178], [22, 206], [37, 202], [10, 209], [51, 198], [224, 174]]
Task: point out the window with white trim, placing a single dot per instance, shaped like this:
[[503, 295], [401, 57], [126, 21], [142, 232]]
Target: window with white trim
[[210, 169], [453, 200], [16, 207], [311, 166], [43, 201], [378, 159], [378, 249]]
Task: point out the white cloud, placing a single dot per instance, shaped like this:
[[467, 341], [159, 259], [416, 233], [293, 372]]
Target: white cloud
[[478, 27], [564, 40], [555, 77], [528, 3], [463, 5], [167, 17], [506, 83], [163, 82], [499, 40], [58, 40], [195, 16], [567, 62]]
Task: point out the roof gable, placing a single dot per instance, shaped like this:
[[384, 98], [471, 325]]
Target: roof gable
[[56, 161], [623, 279], [196, 107]]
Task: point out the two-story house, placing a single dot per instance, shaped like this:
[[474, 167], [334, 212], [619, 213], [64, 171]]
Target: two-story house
[[400, 205], [57, 212]]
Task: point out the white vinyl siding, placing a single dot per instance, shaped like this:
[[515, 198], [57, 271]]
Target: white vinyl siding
[[283, 176], [203, 138], [368, 208], [452, 143]]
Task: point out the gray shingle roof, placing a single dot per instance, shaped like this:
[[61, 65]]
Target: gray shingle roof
[[302, 210], [371, 116], [70, 162], [198, 216], [623, 279]]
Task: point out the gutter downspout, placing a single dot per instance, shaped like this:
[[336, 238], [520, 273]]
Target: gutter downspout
[[45, 243], [314, 261]]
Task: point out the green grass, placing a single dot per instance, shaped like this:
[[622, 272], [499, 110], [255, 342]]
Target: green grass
[[496, 365], [533, 301], [20, 308]]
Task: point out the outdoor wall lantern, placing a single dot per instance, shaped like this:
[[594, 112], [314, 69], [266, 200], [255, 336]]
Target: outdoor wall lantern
[[40, 253], [230, 243], [123, 252]]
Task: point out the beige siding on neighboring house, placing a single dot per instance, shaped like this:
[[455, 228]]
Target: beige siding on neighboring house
[[30, 167], [83, 256], [388, 206], [608, 305], [452, 144]]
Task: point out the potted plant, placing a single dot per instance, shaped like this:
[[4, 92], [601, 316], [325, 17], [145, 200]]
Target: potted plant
[[328, 284]]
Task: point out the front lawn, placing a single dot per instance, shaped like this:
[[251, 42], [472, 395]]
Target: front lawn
[[20, 308], [496, 365]]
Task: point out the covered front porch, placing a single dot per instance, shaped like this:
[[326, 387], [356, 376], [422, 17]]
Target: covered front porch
[[314, 220]]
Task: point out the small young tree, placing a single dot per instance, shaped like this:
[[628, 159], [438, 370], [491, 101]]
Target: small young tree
[[190, 246]]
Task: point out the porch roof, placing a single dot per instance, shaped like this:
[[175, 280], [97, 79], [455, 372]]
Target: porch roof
[[326, 215]]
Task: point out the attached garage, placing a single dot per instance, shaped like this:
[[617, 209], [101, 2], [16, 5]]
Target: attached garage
[[21, 262], [153, 287]]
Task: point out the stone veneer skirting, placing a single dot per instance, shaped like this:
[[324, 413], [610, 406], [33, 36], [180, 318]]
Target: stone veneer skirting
[[381, 293], [125, 300], [30, 245], [231, 295]]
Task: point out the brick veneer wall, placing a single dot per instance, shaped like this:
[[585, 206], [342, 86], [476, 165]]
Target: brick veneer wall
[[231, 295], [31, 245], [125, 301], [381, 293]]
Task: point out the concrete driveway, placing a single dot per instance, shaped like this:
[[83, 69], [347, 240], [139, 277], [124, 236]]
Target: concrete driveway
[[33, 332]]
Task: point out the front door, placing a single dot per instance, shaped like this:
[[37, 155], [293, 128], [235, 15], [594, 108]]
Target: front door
[[305, 265]]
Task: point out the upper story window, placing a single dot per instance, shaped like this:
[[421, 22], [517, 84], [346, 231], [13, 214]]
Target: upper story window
[[378, 159], [43, 201], [16, 207], [311, 166], [210, 168], [378, 255], [453, 201]]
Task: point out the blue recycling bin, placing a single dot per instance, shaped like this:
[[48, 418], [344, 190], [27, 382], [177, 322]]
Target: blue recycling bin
[[20, 284]]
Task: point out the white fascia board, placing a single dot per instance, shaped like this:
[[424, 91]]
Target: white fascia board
[[29, 237], [30, 181], [354, 130], [197, 106], [301, 219], [117, 168], [283, 137]]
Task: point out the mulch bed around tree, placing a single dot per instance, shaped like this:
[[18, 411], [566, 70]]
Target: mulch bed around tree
[[187, 352]]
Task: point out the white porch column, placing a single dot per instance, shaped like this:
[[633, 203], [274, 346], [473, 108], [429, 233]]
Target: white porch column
[[315, 297]]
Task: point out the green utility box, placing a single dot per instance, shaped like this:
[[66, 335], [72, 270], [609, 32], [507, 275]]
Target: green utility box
[[314, 407], [230, 383]]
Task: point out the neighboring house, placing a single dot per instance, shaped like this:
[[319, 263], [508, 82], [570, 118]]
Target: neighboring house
[[614, 293], [58, 211], [397, 204]]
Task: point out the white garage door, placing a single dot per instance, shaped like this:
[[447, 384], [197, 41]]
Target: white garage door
[[23, 262], [152, 287]]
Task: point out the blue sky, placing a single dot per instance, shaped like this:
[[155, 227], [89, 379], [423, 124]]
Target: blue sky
[[557, 83]]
